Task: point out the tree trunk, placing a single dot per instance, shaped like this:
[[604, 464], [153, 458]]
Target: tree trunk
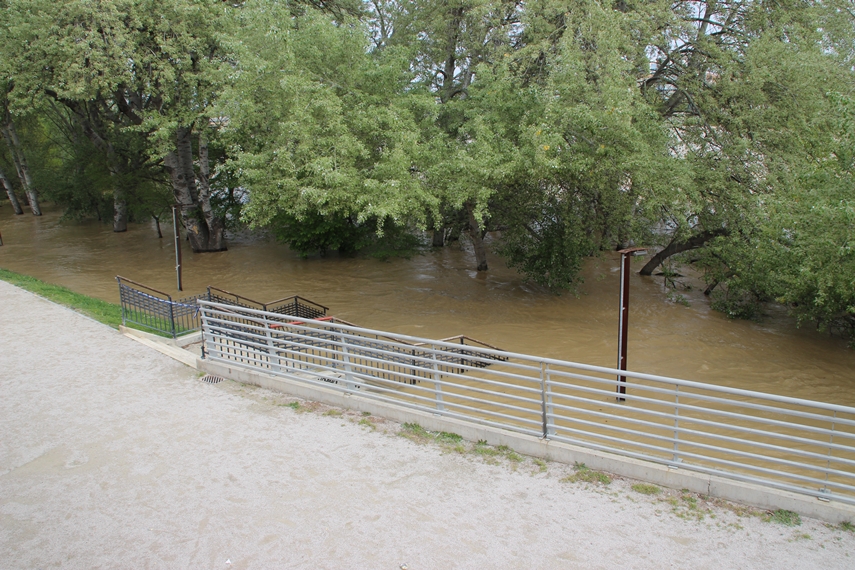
[[438, 238], [477, 238], [11, 193], [20, 160], [216, 225], [676, 247], [204, 230], [120, 208], [157, 225]]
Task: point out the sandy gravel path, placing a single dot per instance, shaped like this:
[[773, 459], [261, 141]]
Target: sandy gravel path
[[114, 456]]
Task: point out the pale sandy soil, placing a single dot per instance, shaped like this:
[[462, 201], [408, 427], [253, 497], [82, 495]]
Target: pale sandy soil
[[114, 456]]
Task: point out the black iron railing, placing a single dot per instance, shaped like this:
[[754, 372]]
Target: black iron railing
[[294, 306], [156, 310]]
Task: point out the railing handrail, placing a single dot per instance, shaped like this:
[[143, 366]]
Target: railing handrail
[[120, 279], [235, 295], [296, 298], [412, 340]]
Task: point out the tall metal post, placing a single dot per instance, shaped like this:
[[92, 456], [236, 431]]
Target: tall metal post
[[623, 316], [177, 235]]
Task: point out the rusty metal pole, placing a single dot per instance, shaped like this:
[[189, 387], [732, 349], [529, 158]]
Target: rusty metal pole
[[177, 235], [623, 316]]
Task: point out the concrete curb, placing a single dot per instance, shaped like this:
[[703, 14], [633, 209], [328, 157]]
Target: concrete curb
[[172, 348]]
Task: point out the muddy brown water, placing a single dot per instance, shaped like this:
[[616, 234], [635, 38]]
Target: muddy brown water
[[438, 295]]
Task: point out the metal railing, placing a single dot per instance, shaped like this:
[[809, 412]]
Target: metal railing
[[293, 306], [786, 443], [152, 309], [156, 310]]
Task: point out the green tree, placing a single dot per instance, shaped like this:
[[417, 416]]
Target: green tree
[[320, 126], [125, 69]]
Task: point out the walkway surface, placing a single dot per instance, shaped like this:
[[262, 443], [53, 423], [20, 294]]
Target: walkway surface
[[115, 456]]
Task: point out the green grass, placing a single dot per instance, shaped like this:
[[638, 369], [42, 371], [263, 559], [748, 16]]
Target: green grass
[[584, 474], [784, 517], [417, 433], [108, 313], [447, 441], [446, 437], [646, 489], [491, 453], [687, 507]]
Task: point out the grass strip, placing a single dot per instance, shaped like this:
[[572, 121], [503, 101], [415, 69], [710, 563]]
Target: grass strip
[[108, 313]]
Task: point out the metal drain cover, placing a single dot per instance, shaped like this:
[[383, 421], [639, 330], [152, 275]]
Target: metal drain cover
[[210, 379]]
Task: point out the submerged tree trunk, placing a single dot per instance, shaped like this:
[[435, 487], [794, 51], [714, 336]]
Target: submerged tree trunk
[[676, 247], [157, 225], [204, 230], [477, 238], [16, 206], [120, 208], [20, 160], [216, 225]]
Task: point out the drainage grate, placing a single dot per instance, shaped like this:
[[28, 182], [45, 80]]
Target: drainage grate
[[210, 379]]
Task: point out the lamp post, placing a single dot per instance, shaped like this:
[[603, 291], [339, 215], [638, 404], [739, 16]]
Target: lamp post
[[623, 317], [177, 235]]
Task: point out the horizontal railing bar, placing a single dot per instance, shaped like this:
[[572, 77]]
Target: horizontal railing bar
[[691, 419], [717, 460], [710, 471], [630, 398], [518, 419]]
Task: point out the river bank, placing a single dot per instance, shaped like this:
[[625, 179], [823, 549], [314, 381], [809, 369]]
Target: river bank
[[114, 455]]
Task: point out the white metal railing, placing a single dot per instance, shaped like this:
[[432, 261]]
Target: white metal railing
[[787, 443]]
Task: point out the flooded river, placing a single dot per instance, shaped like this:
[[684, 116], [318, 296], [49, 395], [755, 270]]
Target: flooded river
[[438, 294]]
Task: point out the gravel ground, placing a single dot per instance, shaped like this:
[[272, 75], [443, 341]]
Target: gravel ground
[[115, 456]]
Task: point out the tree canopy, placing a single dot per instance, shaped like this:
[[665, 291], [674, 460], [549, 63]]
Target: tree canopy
[[719, 131]]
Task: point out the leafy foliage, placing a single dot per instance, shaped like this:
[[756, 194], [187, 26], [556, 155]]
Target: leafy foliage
[[569, 128]]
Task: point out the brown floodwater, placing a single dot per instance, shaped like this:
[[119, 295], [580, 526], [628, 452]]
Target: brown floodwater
[[438, 295]]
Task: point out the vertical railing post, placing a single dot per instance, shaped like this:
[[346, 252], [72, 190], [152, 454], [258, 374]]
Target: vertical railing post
[[171, 315], [206, 331], [272, 353], [345, 357], [547, 411], [676, 456], [437, 381], [122, 300], [828, 461]]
